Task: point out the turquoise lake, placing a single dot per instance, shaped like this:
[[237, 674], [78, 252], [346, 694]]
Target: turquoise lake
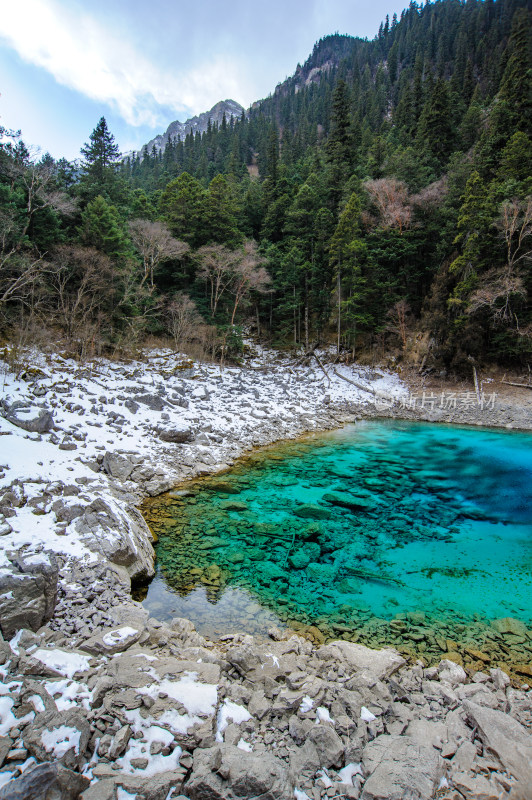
[[383, 531]]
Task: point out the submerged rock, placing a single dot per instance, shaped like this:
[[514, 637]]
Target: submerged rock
[[310, 511]]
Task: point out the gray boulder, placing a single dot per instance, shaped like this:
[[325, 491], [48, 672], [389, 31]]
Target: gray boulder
[[28, 593], [226, 772], [47, 781], [18, 413], [380, 664], [503, 736], [176, 435], [120, 535], [153, 401], [304, 759], [118, 466], [112, 640], [328, 744], [62, 736], [401, 769]]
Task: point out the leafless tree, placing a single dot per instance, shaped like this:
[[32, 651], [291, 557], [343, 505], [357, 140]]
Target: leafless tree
[[431, 196], [249, 275], [399, 320], [81, 282], [21, 269], [501, 287], [183, 319], [216, 269], [39, 181], [155, 244], [392, 201]]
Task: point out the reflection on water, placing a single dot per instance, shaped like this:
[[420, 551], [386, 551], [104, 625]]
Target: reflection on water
[[383, 532]]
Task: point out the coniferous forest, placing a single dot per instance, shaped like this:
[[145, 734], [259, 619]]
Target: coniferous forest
[[380, 199]]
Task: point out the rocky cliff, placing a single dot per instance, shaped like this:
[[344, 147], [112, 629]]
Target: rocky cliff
[[197, 124]]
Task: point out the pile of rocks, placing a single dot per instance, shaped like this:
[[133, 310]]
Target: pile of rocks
[[107, 703]]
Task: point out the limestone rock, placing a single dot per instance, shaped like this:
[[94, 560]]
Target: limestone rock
[[176, 435], [18, 413], [451, 673], [503, 736], [304, 759], [28, 593], [111, 641], [328, 745], [378, 663], [118, 466], [153, 401], [226, 772], [43, 782], [62, 736], [400, 768], [119, 535]]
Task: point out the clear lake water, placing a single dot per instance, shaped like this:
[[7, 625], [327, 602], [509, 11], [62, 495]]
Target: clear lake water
[[384, 532]]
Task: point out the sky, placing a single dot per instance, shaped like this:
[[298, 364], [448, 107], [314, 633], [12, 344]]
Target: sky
[[66, 63]]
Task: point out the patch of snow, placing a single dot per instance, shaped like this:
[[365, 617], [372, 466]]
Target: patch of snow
[[121, 794], [66, 664], [14, 642], [140, 748], [246, 746], [347, 774], [323, 715], [274, 659], [198, 698], [307, 704], [229, 711], [8, 719], [60, 740], [327, 782], [118, 636], [37, 703], [68, 694], [5, 777], [366, 715]]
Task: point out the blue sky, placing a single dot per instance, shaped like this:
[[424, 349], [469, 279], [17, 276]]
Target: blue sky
[[66, 63]]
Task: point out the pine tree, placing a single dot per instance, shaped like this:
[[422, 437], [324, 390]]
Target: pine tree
[[101, 228], [182, 207], [101, 154], [435, 131], [516, 82], [339, 144]]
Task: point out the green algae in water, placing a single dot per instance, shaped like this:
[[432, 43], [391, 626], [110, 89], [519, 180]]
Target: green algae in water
[[371, 523]]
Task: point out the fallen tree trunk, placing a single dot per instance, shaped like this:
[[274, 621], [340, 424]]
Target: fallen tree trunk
[[521, 385]]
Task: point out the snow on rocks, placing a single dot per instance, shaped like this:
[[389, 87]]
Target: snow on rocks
[[117, 432], [173, 711], [150, 710]]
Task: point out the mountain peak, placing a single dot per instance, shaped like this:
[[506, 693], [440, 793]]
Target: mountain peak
[[197, 124]]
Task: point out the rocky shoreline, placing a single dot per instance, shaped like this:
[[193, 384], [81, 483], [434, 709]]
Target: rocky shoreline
[[93, 686]]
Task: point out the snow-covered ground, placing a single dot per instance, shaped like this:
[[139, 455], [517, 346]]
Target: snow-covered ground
[[125, 411]]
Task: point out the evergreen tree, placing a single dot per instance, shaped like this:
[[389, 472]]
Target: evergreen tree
[[100, 154], [339, 144], [435, 130], [182, 206], [101, 228]]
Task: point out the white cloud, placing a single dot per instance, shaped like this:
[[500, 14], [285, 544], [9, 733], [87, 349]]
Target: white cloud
[[83, 55]]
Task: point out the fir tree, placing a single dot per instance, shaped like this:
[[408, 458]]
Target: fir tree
[[101, 154]]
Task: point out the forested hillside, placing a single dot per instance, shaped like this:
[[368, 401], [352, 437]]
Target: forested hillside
[[380, 199]]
